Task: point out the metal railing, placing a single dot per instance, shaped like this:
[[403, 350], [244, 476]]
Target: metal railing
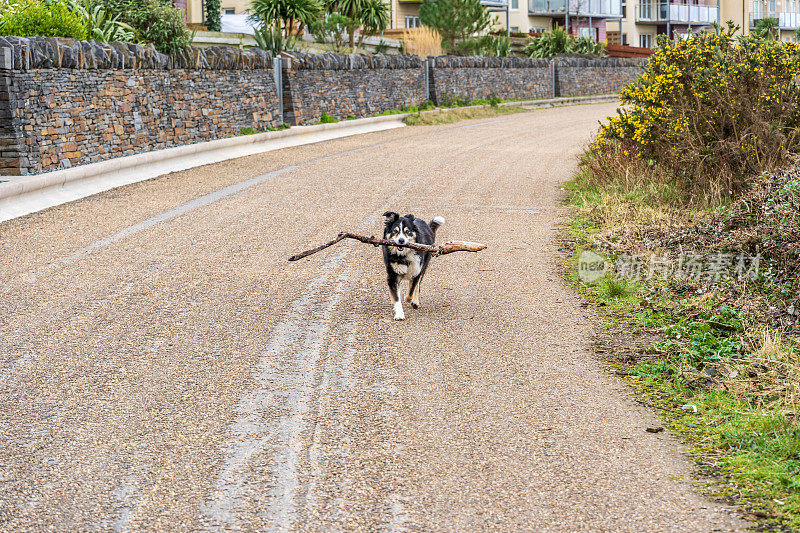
[[593, 8], [787, 20], [677, 13]]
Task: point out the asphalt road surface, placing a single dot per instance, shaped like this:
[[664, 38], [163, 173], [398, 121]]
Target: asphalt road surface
[[164, 368]]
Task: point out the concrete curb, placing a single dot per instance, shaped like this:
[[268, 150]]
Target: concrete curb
[[23, 195]]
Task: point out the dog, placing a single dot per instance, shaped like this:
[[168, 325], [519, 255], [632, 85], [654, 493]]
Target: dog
[[405, 264]]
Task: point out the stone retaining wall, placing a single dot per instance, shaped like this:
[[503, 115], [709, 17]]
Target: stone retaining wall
[[349, 85], [507, 78], [582, 77], [66, 102]]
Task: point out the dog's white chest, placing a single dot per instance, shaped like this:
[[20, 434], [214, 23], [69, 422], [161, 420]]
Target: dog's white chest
[[412, 269]]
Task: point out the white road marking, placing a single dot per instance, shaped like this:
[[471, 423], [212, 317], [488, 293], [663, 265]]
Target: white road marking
[[284, 392]]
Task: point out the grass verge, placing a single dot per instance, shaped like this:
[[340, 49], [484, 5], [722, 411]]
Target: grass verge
[[717, 358], [449, 116]]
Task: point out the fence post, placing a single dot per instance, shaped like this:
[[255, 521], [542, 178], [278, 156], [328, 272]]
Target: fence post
[[427, 82], [277, 68]]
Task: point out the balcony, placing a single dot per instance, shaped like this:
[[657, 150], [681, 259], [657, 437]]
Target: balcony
[[583, 8], [787, 20], [675, 13]]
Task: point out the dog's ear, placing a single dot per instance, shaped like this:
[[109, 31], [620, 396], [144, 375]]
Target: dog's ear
[[391, 217], [409, 217]]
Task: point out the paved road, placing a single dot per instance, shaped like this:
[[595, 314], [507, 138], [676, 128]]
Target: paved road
[[162, 367]]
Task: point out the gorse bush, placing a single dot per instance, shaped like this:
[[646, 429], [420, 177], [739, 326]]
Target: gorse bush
[[30, 17], [710, 111]]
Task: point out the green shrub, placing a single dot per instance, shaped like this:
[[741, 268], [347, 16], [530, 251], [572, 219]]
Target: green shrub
[[31, 17], [100, 24], [485, 45], [712, 111], [382, 47], [325, 118], [559, 42], [333, 28], [154, 21], [273, 40]]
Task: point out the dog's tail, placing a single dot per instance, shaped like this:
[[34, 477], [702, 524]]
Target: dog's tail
[[436, 223]]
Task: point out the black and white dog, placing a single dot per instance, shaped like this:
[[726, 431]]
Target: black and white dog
[[404, 264]]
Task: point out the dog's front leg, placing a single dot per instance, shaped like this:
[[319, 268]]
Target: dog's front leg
[[394, 292]]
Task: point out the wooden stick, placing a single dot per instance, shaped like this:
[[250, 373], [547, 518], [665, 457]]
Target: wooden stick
[[446, 248]]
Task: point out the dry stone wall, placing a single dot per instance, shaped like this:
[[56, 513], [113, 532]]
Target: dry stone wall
[[508, 78], [350, 85], [581, 77], [65, 102]]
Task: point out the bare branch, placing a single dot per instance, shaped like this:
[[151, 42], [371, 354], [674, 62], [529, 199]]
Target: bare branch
[[446, 248]]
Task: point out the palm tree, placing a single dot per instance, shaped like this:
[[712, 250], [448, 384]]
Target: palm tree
[[374, 18], [283, 14]]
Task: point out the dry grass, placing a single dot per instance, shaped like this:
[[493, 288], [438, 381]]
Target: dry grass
[[422, 42], [455, 115], [623, 195]]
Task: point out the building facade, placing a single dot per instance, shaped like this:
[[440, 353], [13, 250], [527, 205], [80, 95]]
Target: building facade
[[631, 22], [644, 20]]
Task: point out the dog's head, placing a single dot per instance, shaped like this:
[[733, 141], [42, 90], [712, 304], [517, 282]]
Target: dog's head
[[400, 230]]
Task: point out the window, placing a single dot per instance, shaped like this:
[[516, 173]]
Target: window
[[412, 22], [514, 29], [229, 11], [624, 6], [624, 39], [514, 5], [588, 32], [645, 40]]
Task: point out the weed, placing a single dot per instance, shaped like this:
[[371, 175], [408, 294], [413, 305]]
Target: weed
[[325, 118], [448, 117]]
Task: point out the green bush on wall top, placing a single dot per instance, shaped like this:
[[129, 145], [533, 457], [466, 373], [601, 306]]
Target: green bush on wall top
[[144, 21], [162, 24], [27, 18]]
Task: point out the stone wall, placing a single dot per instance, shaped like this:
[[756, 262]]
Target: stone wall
[[582, 77], [508, 78], [349, 85], [66, 102]]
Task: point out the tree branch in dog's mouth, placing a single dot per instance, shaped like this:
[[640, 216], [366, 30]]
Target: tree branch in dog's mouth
[[442, 249]]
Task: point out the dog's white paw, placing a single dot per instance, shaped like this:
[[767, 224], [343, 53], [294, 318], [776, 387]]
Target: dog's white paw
[[398, 311], [401, 316]]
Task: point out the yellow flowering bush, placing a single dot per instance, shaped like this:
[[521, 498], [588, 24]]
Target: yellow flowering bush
[[712, 110]]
